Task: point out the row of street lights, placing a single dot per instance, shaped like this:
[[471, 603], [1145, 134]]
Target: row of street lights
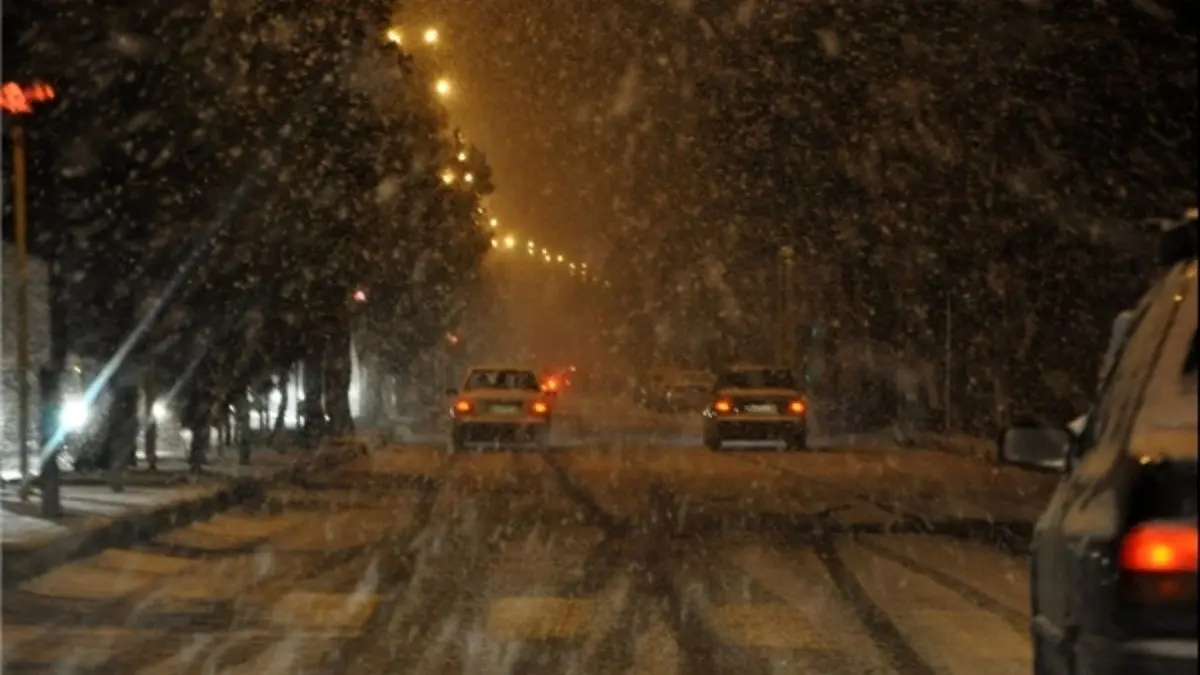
[[429, 37], [511, 243]]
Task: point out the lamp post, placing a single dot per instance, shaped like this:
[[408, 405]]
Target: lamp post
[[18, 101]]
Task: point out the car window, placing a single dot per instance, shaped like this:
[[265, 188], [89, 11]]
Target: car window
[[756, 379], [501, 379], [1110, 424], [1169, 402]]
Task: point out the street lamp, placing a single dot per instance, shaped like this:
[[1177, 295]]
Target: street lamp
[[462, 156], [430, 36], [494, 222], [442, 87], [469, 177], [448, 177], [394, 36], [510, 241], [18, 101]]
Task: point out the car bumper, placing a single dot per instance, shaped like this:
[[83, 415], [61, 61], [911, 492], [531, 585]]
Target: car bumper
[[759, 429], [1158, 657], [499, 428]]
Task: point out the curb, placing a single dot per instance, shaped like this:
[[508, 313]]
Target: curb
[[25, 561], [979, 449]]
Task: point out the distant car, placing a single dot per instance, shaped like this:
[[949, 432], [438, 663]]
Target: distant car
[[756, 403], [499, 404], [1113, 557]]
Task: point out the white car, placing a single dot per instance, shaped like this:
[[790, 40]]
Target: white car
[[497, 404], [756, 403]]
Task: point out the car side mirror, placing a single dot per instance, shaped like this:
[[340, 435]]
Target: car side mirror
[[452, 392], [1035, 446]]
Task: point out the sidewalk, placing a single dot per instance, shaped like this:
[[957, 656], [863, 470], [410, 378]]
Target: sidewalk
[[95, 517]]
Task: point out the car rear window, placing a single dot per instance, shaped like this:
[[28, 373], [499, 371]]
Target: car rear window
[[502, 379], [757, 379]]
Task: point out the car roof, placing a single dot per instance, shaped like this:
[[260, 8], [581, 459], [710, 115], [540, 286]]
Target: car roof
[[746, 367], [502, 367]]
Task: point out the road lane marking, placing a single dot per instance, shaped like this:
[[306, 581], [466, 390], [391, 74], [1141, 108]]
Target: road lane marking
[[217, 582], [766, 625], [324, 612], [140, 561], [342, 530], [246, 529], [82, 581], [227, 532], [539, 618]]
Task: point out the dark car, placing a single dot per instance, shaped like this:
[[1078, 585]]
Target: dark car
[[1114, 554]]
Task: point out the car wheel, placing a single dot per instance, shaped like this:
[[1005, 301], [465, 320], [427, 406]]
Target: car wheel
[[712, 441], [797, 442], [457, 440]]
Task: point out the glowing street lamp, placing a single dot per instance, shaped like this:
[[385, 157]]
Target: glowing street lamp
[[494, 222], [510, 241], [462, 156], [442, 87], [448, 177], [430, 36], [559, 259], [469, 177], [17, 101], [394, 36]]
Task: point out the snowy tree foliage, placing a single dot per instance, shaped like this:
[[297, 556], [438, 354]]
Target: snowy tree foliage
[[289, 148]]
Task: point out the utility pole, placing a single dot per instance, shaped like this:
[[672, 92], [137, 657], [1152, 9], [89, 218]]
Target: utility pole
[[949, 353], [18, 101], [21, 227], [786, 350]]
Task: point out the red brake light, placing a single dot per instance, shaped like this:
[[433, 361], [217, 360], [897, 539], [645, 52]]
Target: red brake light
[[797, 407], [462, 407], [1160, 547], [540, 408], [722, 405]]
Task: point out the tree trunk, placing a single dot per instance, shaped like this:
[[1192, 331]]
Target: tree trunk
[[119, 448], [241, 427], [312, 380], [281, 413], [337, 379]]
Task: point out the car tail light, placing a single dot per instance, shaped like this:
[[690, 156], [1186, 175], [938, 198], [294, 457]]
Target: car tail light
[[539, 408], [462, 407], [1160, 548], [552, 384], [1158, 564], [722, 405], [797, 407]]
